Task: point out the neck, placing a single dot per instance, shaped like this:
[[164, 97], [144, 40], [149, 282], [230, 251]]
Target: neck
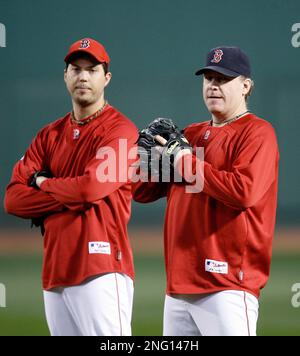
[[219, 118], [228, 121], [81, 112]]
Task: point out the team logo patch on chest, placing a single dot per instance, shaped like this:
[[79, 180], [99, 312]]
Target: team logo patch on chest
[[99, 247], [206, 135], [76, 134], [213, 266]]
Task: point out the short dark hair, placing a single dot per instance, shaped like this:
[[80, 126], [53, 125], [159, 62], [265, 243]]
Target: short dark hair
[[105, 67], [86, 55]]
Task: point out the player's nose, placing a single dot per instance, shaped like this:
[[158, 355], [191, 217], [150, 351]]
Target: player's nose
[[83, 75], [214, 83]]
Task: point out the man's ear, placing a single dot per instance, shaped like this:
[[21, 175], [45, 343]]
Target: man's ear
[[65, 75], [108, 77], [247, 85]]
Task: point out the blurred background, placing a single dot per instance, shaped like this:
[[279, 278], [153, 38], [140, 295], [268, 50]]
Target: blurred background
[[155, 48]]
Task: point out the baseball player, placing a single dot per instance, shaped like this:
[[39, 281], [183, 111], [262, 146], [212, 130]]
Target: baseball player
[[88, 269], [218, 241]]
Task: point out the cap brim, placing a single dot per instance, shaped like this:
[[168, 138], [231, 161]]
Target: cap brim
[[76, 54], [217, 69]]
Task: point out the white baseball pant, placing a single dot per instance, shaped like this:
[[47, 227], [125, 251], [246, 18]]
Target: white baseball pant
[[101, 306], [226, 313]]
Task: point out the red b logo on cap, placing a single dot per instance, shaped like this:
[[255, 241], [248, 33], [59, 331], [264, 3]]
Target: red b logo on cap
[[217, 56], [84, 44]]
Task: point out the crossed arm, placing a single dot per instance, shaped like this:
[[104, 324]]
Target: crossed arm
[[23, 200], [54, 195]]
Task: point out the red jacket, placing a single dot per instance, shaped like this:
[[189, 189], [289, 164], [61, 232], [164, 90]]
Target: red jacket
[[85, 219], [221, 238]]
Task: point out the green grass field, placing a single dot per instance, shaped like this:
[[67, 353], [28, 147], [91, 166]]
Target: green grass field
[[24, 314]]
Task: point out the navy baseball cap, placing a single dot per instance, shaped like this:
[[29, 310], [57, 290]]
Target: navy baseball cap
[[230, 61]]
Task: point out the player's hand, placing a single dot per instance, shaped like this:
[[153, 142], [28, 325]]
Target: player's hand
[[162, 141], [174, 148], [40, 180]]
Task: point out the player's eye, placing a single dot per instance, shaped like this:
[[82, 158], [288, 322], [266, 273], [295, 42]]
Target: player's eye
[[223, 80], [208, 78]]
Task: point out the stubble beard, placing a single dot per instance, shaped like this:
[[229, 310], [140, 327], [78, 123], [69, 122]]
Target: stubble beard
[[84, 102]]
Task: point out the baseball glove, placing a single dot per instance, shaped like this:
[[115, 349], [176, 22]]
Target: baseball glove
[[156, 159], [173, 146]]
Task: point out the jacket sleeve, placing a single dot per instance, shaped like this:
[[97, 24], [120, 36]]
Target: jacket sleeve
[[103, 175], [147, 192], [22, 200], [29, 203], [254, 170]]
